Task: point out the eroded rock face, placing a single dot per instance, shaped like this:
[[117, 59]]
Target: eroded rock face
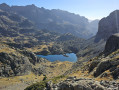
[[99, 67], [20, 64], [102, 66], [108, 26], [107, 60], [12, 65], [93, 65], [32, 57], [112, 44]]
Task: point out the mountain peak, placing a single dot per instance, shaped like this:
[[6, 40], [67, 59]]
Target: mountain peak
[[32, 5], [108, 26], [4, 6]]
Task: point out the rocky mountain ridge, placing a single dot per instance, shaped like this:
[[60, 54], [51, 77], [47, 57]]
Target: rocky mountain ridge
[[95, 45], [108, 26], [18, 37], [55, 20], [19, 32], [106, 64]]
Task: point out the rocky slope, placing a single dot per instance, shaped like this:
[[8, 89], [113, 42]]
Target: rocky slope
[[99, 73], [91, 48], [73, 83], [19, 37], [106, 64], [55, 20], [16, 63], [19, 32], [95, 45]]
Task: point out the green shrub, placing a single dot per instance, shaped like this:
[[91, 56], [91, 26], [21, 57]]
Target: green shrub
[[41, 85], [37, 86]]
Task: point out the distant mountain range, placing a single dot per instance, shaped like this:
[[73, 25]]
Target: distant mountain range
[[56, 20], [19, 37], [28, 30]]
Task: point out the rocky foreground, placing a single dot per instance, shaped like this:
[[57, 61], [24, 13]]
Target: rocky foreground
[[73, 83]]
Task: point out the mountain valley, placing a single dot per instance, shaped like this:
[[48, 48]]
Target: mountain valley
[[28, 31]]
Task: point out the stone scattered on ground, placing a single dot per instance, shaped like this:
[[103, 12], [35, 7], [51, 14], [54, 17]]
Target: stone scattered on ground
[[73, 83]]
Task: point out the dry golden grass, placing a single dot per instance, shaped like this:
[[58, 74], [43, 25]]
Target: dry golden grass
[[109, 77], [20, 79], [79, 74], [40, 48], [5, 48], [58, 68], [116, 57], [85, 74], [54, 69]]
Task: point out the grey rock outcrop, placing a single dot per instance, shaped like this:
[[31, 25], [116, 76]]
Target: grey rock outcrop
[[82, 84], [22, 64], [104, 65], [12, 65], [112, 44], [101, 67], [107, 60], [96, 45], [32, 57], [108, 26]]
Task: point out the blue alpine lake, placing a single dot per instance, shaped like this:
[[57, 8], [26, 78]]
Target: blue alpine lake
[[67, 57]]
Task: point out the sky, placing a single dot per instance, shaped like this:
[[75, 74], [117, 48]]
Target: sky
[[91, 9]]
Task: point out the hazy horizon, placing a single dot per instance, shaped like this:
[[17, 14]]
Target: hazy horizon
[[91, 9]]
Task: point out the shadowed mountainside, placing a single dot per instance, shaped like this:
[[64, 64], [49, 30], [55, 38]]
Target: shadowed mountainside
[[56, 20]]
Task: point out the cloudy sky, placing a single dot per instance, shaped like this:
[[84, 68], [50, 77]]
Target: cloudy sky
[[92, 9]]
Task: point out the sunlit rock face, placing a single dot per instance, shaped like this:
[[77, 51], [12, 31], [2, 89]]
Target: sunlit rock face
[[108, 26]]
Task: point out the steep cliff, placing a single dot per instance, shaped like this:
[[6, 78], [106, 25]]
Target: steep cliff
[[108, 26], [106, 64]]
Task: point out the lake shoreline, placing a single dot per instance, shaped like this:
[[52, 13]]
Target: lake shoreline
[[62, 57]]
